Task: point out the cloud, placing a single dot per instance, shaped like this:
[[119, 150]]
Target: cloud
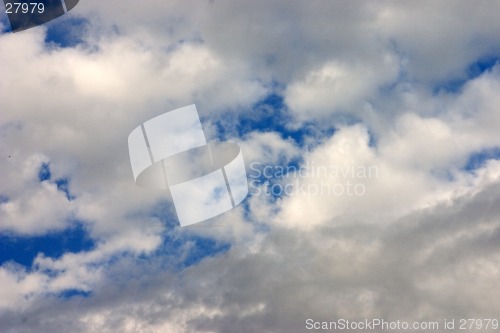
[[340, 87], [434, 51], [351, 271], [32, 206], [373, 74]]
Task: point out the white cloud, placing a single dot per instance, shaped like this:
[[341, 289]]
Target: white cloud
[[405, 249], [438, 41], [33, 207], [340, 87]]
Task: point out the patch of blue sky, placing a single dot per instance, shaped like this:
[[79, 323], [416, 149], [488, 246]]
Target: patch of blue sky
[[478, 159], [270, 114], [72, 293], [259, 226], [260, 172], [44, 174], [482, 65], [202, 248], [183, 249], [165, 212], [474, 70], [63, 186], [24, 249], [180, 246], [66, 32], [267, 179]]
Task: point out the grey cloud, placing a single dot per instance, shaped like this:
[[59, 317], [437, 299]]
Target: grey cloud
[[353, 271], [437, 262]]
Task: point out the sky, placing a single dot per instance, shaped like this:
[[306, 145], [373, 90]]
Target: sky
[[370, 133]]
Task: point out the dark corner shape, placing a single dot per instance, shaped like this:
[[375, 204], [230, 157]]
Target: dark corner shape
[[23, 15]]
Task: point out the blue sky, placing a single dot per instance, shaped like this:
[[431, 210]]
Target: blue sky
[[316, 86]]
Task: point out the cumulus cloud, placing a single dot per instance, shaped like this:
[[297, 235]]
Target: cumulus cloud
[[366, 108]]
